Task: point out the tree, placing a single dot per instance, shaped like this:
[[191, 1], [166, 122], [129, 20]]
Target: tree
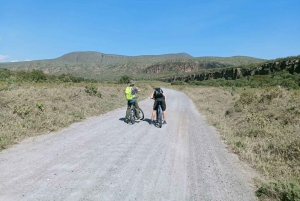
[[124, 79]]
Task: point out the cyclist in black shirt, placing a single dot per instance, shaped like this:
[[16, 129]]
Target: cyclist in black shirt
[[160, 98]]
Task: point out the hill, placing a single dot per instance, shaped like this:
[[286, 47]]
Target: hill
[[283, 71], [102, 66], [100, 58]]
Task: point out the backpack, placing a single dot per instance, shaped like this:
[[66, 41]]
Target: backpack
[[158, 93], [128, 93]]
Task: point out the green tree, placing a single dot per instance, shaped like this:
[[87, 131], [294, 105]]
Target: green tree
[[124, 79]]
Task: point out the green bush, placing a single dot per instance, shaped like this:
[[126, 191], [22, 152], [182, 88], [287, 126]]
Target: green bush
[[92, 91], [40, 106], [280, 190], [4, 74], [285, 79], [178, 83], [125, 79], [32, 76], [22, 110], [69, 78], [282, 78]]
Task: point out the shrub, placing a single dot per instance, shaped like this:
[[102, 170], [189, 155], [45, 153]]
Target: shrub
[[124, 79], [254, 84], [268, 95], [21, 110], [247, 98], [280, 190], [92, 91], [285, 79], [77, 115], [10, 86], [178, 83], [35, 76], [4, 74], [40, 106], [69, 78]]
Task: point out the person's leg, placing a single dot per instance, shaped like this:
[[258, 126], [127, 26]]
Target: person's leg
[[136, 105], [128, 111], [153, 115], [164, 115], [154, 110], [164, 107]]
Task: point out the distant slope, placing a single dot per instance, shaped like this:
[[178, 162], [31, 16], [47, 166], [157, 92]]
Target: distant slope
[[233, 61], [102, 66], [196, 64], [100, 58], [289, 64]]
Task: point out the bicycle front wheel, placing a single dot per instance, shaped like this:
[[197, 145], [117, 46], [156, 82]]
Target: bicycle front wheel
[[141, 113], [132, 116]]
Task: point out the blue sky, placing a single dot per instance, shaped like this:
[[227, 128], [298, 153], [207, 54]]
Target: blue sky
[[34, 30]]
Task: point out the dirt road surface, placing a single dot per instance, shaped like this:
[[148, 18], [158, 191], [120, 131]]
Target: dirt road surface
[[103, 158]]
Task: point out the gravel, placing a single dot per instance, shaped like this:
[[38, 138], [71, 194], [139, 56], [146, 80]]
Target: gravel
[[104, 158]]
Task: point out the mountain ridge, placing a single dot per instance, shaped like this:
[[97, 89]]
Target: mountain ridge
[[101, 66], [93, 56]]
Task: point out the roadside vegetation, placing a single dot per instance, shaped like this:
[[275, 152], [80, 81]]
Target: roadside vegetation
[[281, 78], [33, 103], [262, 126]]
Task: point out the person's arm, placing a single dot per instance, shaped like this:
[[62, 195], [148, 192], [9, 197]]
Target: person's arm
[[165, 97], [152, 95], [137, 89]]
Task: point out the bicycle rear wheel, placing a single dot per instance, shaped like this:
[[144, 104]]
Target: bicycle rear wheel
[[159, 117]]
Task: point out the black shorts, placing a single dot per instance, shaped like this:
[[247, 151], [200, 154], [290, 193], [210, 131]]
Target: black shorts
[[162, 103]]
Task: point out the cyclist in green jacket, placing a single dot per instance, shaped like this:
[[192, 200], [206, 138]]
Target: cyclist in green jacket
[[132, 96]]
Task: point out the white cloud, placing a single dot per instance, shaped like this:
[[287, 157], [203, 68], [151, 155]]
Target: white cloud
[[2, 57]]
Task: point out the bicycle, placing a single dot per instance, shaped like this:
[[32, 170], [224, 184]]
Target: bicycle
[[159, 116], [132, 117]]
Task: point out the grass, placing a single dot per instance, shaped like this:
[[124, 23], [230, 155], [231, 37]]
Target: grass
[[33, 109], [262, 127]]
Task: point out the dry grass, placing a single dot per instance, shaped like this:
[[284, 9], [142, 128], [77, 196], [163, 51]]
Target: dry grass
[[261, 125], [32, 109]]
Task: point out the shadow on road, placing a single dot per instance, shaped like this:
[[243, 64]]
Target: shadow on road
[[122, 119], [145, 120], [153, 123]]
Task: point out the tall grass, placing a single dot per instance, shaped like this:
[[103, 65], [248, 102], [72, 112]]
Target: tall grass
[[262, 126], [28, 110]]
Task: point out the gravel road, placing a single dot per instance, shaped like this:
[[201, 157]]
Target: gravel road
[[103, 158]]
